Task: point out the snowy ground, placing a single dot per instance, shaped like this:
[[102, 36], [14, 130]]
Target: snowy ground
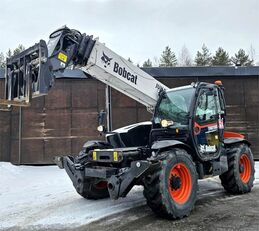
[[36, 196], [43, 197]]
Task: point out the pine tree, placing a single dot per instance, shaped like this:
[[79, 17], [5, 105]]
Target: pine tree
[[147, 63], [19, 49], [221, 58], [168, 58], [9, 53], [16, 51], [241, 59], [203, 57], [185, 59]]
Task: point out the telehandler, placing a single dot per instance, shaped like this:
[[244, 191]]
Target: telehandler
[[185, 140]]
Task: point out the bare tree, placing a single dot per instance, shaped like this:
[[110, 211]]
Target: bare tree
[[252, 52], [185, 58], [155, 62]]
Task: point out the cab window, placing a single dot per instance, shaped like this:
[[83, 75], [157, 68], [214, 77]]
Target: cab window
[[206, 107]]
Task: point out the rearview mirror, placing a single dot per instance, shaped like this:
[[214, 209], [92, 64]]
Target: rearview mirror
[[101, 121]]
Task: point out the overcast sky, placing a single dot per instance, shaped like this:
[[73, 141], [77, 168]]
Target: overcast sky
[[136, 28]]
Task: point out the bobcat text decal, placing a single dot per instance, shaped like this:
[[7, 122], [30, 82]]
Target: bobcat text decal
[[119, 70], [124, 73]]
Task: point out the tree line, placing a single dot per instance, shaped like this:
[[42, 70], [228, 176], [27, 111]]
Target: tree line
[[168, 58], [203, 58]]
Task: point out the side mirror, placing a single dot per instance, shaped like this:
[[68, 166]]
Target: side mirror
[[101, 122]]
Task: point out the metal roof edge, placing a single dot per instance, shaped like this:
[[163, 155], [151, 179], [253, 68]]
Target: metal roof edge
[[202, 71]]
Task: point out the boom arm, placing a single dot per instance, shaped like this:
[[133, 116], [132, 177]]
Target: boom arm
[[31, 73]]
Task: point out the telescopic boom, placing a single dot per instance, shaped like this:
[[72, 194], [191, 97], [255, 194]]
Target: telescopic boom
[[32, 72]]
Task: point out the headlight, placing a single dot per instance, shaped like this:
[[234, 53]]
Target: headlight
[[166, 123], [100, 128]]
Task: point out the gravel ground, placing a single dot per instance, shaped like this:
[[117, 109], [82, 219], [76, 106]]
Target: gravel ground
[[217, 211]]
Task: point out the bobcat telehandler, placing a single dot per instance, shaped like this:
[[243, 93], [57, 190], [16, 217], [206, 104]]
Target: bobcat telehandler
[[185, 140]]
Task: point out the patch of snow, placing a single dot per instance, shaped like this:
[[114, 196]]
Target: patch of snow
[[44, 196]]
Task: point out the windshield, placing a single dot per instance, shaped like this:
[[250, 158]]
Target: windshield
[[175, 106]]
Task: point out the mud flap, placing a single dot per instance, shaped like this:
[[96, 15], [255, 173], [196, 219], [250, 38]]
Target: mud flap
[[120, 185], [221, 166]]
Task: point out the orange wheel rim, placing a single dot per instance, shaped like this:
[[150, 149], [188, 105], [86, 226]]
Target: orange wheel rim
[[244, 168], [180, 183]]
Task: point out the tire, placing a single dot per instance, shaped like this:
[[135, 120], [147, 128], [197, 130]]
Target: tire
[[171, 191], [94, 188], [240, 175]]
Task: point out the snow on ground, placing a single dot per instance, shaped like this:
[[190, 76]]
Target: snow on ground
[[43, 196]]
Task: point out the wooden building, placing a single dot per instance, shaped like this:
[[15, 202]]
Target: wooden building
[[62, 121]]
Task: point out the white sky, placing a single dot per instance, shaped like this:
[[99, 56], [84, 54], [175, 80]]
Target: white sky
[[138, 29]]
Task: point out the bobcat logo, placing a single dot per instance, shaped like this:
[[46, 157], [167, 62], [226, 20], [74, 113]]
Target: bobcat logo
[[106, 60]]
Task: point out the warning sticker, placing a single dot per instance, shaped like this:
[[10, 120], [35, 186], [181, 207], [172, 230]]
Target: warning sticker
[[62, 57]]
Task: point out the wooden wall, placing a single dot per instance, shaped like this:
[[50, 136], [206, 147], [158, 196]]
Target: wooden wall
[[62, 121], [5, 130]]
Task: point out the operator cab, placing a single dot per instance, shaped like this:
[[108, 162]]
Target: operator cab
[[194, 115]]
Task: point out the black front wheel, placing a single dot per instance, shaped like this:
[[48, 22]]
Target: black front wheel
[[171, 191]]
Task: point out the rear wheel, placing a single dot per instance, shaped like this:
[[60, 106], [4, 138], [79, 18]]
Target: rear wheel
[[240, 175], [171, 190], [94, 188]]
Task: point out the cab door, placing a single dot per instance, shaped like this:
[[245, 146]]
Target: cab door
[[208, 123]]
